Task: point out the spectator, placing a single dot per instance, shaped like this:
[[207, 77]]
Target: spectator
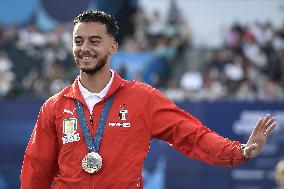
[[156, 25], [6, 75], [191, 81]]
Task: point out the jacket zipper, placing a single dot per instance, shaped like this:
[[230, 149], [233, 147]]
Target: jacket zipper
[[91, 119]]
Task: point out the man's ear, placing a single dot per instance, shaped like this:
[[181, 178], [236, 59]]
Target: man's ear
[[114, 48]]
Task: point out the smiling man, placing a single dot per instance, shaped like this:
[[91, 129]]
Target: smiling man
[[96, 133]]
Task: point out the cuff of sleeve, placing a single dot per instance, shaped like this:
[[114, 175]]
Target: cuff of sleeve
[[242, 147]]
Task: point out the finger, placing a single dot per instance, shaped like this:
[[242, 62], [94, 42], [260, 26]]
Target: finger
[[258, 125], [265, 120], [267, 124], [270, 129]]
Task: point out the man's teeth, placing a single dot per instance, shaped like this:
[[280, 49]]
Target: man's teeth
[[87, 58]]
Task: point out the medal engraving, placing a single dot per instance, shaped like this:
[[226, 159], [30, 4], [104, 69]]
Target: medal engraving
[[92, 162]]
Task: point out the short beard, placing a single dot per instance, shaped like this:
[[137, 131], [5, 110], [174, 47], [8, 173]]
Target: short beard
[[91, 71]]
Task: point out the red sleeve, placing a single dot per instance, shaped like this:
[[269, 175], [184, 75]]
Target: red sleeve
[[40, 160], [187, 134]]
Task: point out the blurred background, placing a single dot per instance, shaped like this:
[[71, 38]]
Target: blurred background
[[220, 60]]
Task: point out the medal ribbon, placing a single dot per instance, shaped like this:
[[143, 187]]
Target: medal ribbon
[[94, 145]]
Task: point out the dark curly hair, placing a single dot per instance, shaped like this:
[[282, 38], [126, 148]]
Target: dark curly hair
[[101, 17]]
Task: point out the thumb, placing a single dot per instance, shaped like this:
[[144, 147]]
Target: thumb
[[249, 149], [252, 147]]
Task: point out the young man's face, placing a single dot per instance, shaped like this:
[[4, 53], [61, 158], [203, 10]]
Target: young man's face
[[92, 46]]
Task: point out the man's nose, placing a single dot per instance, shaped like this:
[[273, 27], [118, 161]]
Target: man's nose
[[85, 47]]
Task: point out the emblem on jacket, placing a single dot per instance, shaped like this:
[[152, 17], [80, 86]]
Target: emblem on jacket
[[123, 115], [68, 111], [69, 130], [123, 112]]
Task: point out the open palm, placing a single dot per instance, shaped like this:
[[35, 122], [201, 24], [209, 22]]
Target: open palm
[[258, 137]]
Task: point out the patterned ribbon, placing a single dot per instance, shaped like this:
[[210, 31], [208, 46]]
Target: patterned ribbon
[[94, 145]]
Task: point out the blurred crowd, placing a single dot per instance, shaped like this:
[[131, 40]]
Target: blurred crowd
[[35, 64], [249, 66]]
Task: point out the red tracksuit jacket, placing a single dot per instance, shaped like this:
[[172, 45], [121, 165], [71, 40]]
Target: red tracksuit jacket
[[49, 163]]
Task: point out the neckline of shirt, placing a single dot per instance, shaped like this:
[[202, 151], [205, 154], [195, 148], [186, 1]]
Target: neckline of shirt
[[86, 94]]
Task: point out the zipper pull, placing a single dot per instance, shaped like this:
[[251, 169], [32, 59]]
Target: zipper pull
[[91, 119]]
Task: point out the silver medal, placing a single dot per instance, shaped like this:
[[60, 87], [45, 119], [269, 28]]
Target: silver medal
[[92, 162]]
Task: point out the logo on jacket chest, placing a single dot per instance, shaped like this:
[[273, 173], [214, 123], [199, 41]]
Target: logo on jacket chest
[[123, 116], [69, 130]]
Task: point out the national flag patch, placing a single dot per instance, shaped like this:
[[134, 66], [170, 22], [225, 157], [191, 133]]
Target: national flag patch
[[69, 129]]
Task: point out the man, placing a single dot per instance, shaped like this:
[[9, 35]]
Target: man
[[96, 132]]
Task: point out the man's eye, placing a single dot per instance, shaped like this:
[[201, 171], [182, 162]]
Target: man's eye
[[76, 41], [96, 42]]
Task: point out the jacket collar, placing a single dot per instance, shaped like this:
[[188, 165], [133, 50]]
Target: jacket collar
[[101, 94], [74, 91]]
